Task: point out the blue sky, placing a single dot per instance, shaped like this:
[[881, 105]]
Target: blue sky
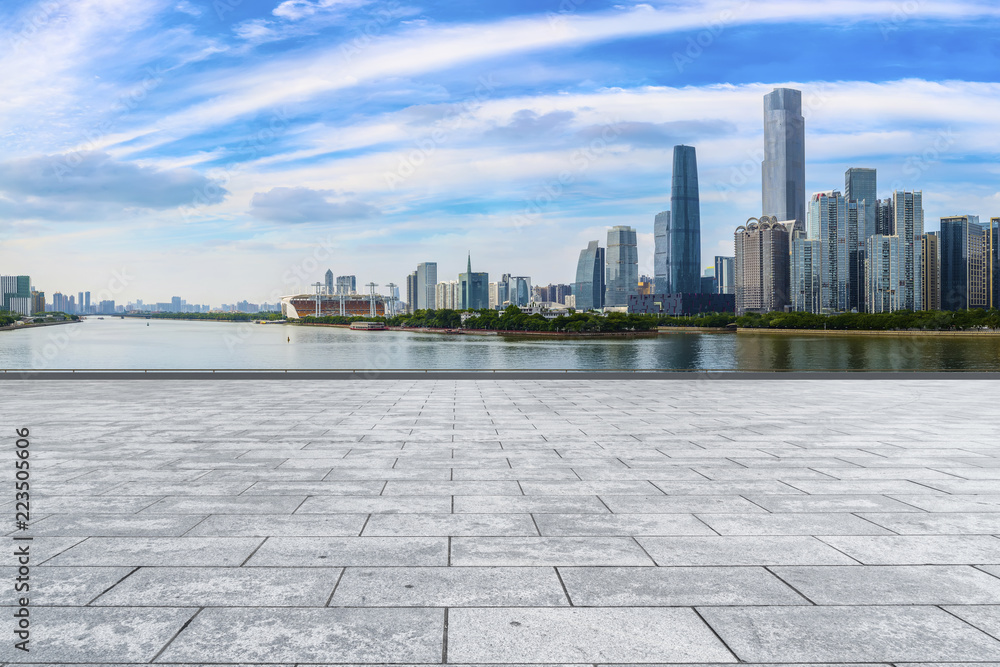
[[227, 149]]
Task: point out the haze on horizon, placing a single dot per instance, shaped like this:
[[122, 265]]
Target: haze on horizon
[[218, 149]]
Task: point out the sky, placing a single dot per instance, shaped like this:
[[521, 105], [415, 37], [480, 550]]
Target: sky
[[221, 150]]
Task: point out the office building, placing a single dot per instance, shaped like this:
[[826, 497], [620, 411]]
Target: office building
[[661, 253], [930, 257], [861, 185], [79, 303], [37, 302], [519, 290], [885, 219], [347, 285], [806, 278], [684, 264], [838, 224], [15, 293], [328, 282], [474, 288], [761, 265], [427, 277], [783, 172], [623, 266], [884, 284], [724, 275], [994, 254], [965, 263], [589, 288], [908, 225], [86, 304], [411, 292]]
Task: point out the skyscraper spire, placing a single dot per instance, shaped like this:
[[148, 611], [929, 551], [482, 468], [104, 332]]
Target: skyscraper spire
[[469, 269]]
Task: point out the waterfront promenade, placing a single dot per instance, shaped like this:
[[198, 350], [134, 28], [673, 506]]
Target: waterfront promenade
[[586, 522]]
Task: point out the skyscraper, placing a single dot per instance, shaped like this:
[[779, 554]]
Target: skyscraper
[[806, 279], [328, 281], [885, 219], [724, 274], [884, 287], [589, 288], [930, 257], [474, 288], [837, 223], [661, 253], [965, 279], [347, 285], [86, 296], [411, 292], [684, 268], [15, 294], [761, 266], [427, 276], [623, 266], [861, 185], [784, 168], [908, 209]]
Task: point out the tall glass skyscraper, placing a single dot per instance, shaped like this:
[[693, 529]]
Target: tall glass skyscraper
[[783, 171], [661, 253], [589, 287], [623, 266], [474, 289], [427, 277], [860, 184], [836, 223], [908, 209], [965, 280], [684, 268]]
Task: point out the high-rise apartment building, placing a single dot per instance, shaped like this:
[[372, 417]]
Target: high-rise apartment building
[[37, 302], [994, 253], [623, 266], [930, 257], [589, 288], [965, 263], [885, 219], [411, 292], [761, 267], [661, 253], [908, 212], [784, 168], [807, 274], [79, 303], [861, 185], [427, 277], [725, 277], [15, 294], [474, 288], [684, 264], [86, 304], [837, 223], [885, 287], [448, 295]]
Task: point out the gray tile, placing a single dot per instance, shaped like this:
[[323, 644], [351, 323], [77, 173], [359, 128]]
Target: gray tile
[[222, 587], [571, 525], [147, 551], [947, 503], [228, 505], [376, 505], [350, 551], [449, 587], [848, 634], [975, 523], [483, 488], [269, 635], [678, 504], [82, 634], [920, 550], [286, 525], [823, 523], [581, 635], [316, 488], [450, 524], [675, 586], [540, 551], [907, 584], [529, 504], [985, 618], [592, 488], [117, 525], [741, 550], [64, 586], [831, 503]]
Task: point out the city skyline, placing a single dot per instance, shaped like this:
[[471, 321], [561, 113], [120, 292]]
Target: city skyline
[[181, 156]]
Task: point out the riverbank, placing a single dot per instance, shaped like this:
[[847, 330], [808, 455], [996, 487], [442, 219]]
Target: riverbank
[[865, 332], [23, 327], [696, 329]]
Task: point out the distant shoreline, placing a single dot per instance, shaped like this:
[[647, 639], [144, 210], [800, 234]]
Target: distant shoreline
[[867, 332], [36, 326]]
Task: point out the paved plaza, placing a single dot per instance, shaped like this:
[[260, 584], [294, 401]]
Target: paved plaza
[[689, 521]]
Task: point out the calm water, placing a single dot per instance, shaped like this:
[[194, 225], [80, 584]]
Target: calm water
[[115, 343]]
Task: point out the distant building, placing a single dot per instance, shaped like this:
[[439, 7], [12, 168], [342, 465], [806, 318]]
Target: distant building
[[475, 290], [15, 293], [448, 295], [994, 251], [965, 263], [346, 285], [685, 223], [884, 283], [622, 266], [86, 305], [930, 257], [411, 292], [908, 223], [681, 304], [861, 185], [885, 219], [37, 302], [783, 172], [761, 266], [838, 223], [519, 291], [646, 285], [806, 270], [725, 278], [427, 277], [590, 276], [661, 253]]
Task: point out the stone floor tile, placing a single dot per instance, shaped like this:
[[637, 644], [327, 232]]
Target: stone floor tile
[[150, 551], [678, 504], [576, 525], [593, 488], [449, 587], [450, 525], [227, 505], [116, 525], [976, 523], [830, 503], [265, 635], [316, 488], [742, 550], [529, 504], [64, 586], [906, 584], [920, 549], [676, 586], [351, 551], [284, 525], [823, 523], [581, 635], [848, 634], [485, 488], [375, 505], [950, 503], [985, 617], [540, 551]]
